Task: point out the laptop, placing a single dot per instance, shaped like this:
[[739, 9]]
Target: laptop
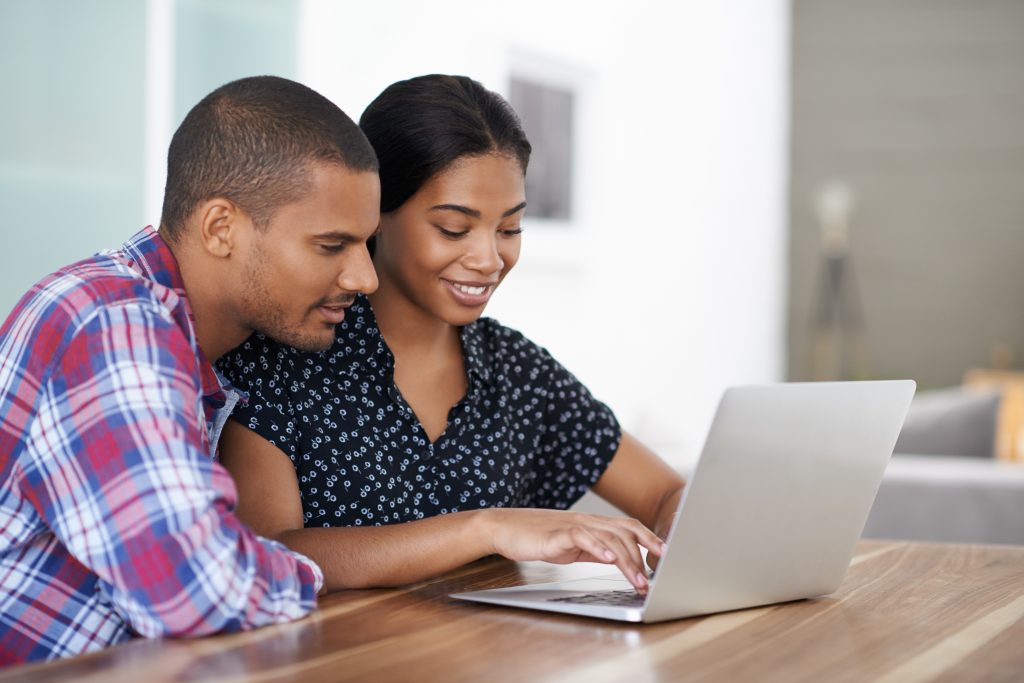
[[771, 514]]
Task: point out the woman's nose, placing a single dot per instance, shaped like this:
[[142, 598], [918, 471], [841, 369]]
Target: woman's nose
[[483, 256]]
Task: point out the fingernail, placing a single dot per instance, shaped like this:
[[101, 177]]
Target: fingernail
[[641, 580], [664, 547], [609, 555]]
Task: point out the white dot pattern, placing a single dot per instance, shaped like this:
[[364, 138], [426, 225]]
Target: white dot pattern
[[527, 433]]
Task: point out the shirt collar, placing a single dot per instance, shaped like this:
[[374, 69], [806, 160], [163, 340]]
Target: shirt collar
[[476, 352], [148, 254], [361, 321], [151, 256]]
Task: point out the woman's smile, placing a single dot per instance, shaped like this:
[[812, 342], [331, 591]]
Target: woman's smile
[[471, 294]]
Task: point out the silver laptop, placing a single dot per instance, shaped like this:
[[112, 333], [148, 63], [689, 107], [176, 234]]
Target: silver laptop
[[772, 512]]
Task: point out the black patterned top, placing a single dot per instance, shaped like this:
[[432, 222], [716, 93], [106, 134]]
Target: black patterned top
[[526, 434]]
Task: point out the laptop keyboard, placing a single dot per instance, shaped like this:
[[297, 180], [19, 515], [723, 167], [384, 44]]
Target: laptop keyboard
[[624, 598]]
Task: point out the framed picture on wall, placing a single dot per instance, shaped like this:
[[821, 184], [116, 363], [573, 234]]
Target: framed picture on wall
[[547, 112], [554, 102]]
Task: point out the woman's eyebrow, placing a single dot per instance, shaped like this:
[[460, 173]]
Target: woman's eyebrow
[[473, 212], [456, 207], [514, 209]]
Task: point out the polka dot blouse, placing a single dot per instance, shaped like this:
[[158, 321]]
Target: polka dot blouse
[[526, 434]]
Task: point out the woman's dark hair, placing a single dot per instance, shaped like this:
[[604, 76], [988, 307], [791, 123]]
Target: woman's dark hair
[[253, 141], [419, 127]]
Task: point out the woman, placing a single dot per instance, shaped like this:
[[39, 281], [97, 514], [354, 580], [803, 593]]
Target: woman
[[426, 436]]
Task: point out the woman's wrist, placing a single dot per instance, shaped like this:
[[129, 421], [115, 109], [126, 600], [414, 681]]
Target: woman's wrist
[[667, 512], [483, 528]]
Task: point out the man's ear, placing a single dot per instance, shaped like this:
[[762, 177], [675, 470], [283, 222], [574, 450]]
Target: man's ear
[[221, 226]]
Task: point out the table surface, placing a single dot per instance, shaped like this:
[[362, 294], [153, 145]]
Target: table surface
[[905, 612]]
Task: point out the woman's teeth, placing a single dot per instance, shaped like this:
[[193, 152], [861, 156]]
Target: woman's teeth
[[475, 291]]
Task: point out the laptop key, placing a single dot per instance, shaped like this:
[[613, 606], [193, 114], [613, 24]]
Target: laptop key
[[624, 598]]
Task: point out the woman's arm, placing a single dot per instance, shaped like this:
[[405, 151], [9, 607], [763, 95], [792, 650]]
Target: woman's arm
[[642, 485], [362, 557]]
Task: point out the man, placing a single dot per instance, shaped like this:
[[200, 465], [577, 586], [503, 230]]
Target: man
[[115, 520]]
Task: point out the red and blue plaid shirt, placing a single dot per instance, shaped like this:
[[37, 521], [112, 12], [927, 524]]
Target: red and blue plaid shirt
[[115, 520]]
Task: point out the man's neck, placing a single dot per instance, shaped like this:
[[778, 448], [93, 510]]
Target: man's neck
[[216, 331]]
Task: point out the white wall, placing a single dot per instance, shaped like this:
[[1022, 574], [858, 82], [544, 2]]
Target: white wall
[[668, 286]]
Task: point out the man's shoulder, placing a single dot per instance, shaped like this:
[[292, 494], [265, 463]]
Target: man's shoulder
[[76, 292], [60, 305], [92, 314]]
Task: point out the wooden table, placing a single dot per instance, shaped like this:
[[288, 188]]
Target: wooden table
[[906, 612]]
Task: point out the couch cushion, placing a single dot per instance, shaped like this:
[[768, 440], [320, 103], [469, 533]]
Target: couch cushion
[[949, 499], [951, 422]]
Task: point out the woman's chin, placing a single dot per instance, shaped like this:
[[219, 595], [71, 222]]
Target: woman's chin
[[460, 316]]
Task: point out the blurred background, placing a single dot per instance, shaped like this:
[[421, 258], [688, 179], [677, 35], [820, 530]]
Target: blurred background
[[722, 193]]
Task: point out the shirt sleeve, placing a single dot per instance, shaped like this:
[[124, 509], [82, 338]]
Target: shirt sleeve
[[263, 370], [579, 437], [121, 476]]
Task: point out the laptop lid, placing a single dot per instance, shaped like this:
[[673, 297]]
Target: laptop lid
[[780, 495]]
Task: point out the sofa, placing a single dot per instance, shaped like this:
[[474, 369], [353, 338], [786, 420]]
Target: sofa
[[951, 498], [945, 482]]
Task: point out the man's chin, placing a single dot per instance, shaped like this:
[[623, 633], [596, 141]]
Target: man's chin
[[303, 341], [313, 348]]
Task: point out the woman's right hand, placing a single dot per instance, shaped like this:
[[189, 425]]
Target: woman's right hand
[[562, 537]]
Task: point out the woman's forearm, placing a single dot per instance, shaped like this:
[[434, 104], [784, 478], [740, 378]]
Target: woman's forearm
[[392, 555], [364, 557]]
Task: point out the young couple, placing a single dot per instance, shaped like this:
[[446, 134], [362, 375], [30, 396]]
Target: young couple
[[389, 434]]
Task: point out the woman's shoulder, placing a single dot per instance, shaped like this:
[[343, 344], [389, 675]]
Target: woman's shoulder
[[504, 348]]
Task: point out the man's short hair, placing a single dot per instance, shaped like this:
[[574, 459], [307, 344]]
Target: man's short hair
[[253, 141]]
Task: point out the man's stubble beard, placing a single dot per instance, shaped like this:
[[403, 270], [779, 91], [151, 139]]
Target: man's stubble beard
[[266, 315]]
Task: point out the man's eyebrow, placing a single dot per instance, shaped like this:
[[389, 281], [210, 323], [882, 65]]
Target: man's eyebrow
[[337, 236], [473, 212]]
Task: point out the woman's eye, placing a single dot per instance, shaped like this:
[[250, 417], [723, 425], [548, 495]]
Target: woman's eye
[[511, 232], [452, 234]]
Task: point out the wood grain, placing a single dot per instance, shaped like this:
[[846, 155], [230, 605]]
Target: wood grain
[[906, 612]]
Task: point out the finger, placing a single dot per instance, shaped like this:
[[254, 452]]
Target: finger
[[610, 548], [623, 543], [641, 534], [583, 539], [644, 536], [629, 560], [652, 562]]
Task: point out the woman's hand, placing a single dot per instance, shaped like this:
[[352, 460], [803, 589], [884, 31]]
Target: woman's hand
[[642, 485], [562, 537]]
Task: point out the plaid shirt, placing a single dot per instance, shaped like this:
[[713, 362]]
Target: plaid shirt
[[114, 518]]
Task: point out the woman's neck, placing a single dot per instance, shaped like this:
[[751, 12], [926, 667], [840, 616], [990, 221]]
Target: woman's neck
[[406, 327]]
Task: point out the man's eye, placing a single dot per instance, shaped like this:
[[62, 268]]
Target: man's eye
[[331, 248]]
